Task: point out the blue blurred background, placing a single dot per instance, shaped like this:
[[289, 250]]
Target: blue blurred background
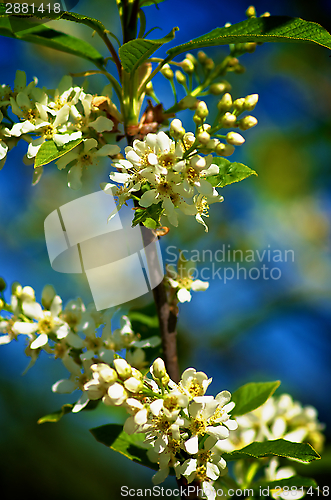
[[241, 331]]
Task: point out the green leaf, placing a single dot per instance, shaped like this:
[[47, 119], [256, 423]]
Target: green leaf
[[149, 217], [298, 481], [229, 173], [131, 446], [302, 452], [22, 29], [146, 3], [150, 321], [67, 408], [261, 29], [252, 395], [56, 415], [95, 24], [49, 151], [135, 52]]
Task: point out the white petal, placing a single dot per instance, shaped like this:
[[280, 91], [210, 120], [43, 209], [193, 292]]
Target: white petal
[[156, 406], [65, 386], [148, 198], [108, 150], [74, 177], [40, 341], [101, 124], [219, 432], [199, 286], [212, 471], [223, 397], [192, 445], [24, 328], [5, 339], [184, 295], [32, 309], [204, 187], [160, 476], [81, 403], [119, 177]]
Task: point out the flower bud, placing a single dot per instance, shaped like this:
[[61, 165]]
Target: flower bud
[[212, 143], [209, 63], [149, 90], [225, 104], [250, 47], [176, 125], [27, 293], [219, 88], [224, 149], [203, 137], [123, 368], [16, 288], [202, 110], [1, 304], [251, 101], [116, 395], [191, 58], [167, 72], [239, 105], [47, 296], [239, 69], [159, 369], [187, 66], [198, 162], [105, 372], [202, 56], [188, 102], [233, 62], [132, 384], [266, 14], [180, 77], [3, 285], [235, 139], [189, 139], [228, 120], [251, 12], [247, 122]]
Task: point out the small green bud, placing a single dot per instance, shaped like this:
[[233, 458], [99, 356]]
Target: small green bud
[[239, 104], [180, 77], [233, 62], [219, 88], [191, 58], [251, 12], [202, 110], [187, 66], [224, 149], [234, 138], [176, 129], [209, 63], [16, 288], [225, 104], [212, 143], [203, 137], [239, 69], [250, 47], [251, 101], [3, 285], [228, 120], [149, 90], [266, 14], [197, 120], [247, 122], [202, 56], [188, 102], [159, 369], [167, 72], [1, 304], [123, 368]]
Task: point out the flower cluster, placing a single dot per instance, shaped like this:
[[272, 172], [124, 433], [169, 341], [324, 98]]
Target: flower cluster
[[171, 173], [182, 425], [80, 336], [64, 116], [278, 418], [180, 280]]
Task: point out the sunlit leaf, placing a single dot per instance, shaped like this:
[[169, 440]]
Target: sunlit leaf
[[49, 151], [261, 29], [252, 395], [229, 173]]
